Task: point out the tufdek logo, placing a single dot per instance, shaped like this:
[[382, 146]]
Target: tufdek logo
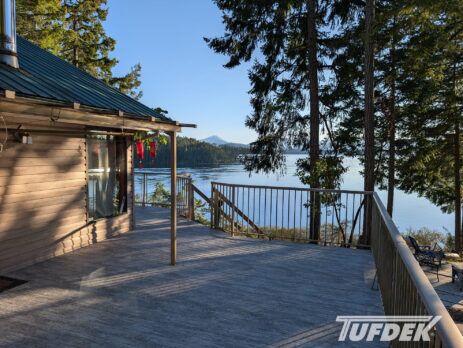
[[387, 328]]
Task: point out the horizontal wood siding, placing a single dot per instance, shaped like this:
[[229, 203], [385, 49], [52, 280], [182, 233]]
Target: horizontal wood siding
[[43, 198]]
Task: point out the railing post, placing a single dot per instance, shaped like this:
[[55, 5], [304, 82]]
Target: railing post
[[144, 190], [233, 212], [212, 205], [216, 213], [365, 238], [191, 196], [173, 198], [217, 210]]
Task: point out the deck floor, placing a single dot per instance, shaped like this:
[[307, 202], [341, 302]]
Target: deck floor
[[231, 292], [448, 292]]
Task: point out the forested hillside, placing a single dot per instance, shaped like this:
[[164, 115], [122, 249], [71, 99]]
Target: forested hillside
[[192, 153]]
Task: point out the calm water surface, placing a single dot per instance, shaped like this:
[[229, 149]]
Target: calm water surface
[[409, 209]]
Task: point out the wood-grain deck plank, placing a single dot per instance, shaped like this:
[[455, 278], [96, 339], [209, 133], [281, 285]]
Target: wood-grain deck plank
[[224, 291]]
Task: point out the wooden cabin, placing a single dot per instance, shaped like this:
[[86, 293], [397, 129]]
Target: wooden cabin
[[66, 158]]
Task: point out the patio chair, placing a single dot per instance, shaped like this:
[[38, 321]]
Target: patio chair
[[427, 256]]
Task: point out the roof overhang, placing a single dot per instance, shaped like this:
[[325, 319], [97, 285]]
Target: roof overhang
[[14, 106]]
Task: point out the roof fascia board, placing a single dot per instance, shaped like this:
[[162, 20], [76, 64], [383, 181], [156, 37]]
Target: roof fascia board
[[61, 114]]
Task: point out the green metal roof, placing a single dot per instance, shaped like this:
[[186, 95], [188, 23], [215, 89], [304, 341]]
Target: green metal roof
[[43, 75]]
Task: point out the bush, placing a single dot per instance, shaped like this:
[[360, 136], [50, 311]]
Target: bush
[[160, 195], [450, 242], [202, 211]]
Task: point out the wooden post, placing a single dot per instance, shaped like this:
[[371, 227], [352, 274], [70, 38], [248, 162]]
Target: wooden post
[[173, 198], [212, 205], [191, 198], [144, 190], [215, 209], [233, 212], [131, 165]]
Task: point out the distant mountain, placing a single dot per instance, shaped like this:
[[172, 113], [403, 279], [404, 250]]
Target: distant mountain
[[236, 145], [218, 141], [215, 140]]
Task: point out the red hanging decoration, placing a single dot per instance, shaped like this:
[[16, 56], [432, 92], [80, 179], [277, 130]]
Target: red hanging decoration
[[152, 149], [140, 153]]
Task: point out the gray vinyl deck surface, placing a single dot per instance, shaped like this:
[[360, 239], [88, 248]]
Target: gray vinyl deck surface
[[230, 292]]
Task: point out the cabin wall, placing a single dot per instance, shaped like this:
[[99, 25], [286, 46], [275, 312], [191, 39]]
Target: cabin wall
[[43, 198]]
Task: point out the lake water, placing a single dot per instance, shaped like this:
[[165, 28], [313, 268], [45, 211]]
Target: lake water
[[409, 209]]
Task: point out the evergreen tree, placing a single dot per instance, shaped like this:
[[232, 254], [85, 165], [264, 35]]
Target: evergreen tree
[[418, 86], [290, 41], [430, 164], [40, 21], [130, 83], [85, 43], [348, 84], [73, 30]]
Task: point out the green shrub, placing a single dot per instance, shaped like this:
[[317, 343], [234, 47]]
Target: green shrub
[[160, 195]]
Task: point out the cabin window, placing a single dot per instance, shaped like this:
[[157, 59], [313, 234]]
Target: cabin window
[[107, 176]]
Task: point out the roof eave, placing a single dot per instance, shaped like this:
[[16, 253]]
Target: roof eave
[[60, 112]]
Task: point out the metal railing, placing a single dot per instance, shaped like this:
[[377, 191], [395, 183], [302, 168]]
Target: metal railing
[[405, 289], [143, 192], [185, 196], [147, 185], [286, 213]]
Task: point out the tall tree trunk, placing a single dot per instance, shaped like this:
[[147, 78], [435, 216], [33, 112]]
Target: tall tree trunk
[[457, 186], [314, 152], [369, 117], [392, 126], [457, 168]]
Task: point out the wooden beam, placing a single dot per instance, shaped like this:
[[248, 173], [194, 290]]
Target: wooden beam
[[68, 115], [203, 196], [173, 198]]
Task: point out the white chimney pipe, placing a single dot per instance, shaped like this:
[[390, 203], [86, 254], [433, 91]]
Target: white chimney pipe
[[8, 49]]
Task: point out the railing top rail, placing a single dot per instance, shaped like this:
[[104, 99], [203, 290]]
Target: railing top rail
[[181, 175], [446, 328], [293, 188]]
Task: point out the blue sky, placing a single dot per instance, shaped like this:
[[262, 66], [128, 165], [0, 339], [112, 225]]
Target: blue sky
[[179, 72]]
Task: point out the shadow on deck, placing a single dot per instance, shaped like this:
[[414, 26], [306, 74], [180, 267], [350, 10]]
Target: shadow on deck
[[223, 292]]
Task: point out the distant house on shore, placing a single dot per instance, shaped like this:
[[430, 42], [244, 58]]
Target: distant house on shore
[[65, 155]]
